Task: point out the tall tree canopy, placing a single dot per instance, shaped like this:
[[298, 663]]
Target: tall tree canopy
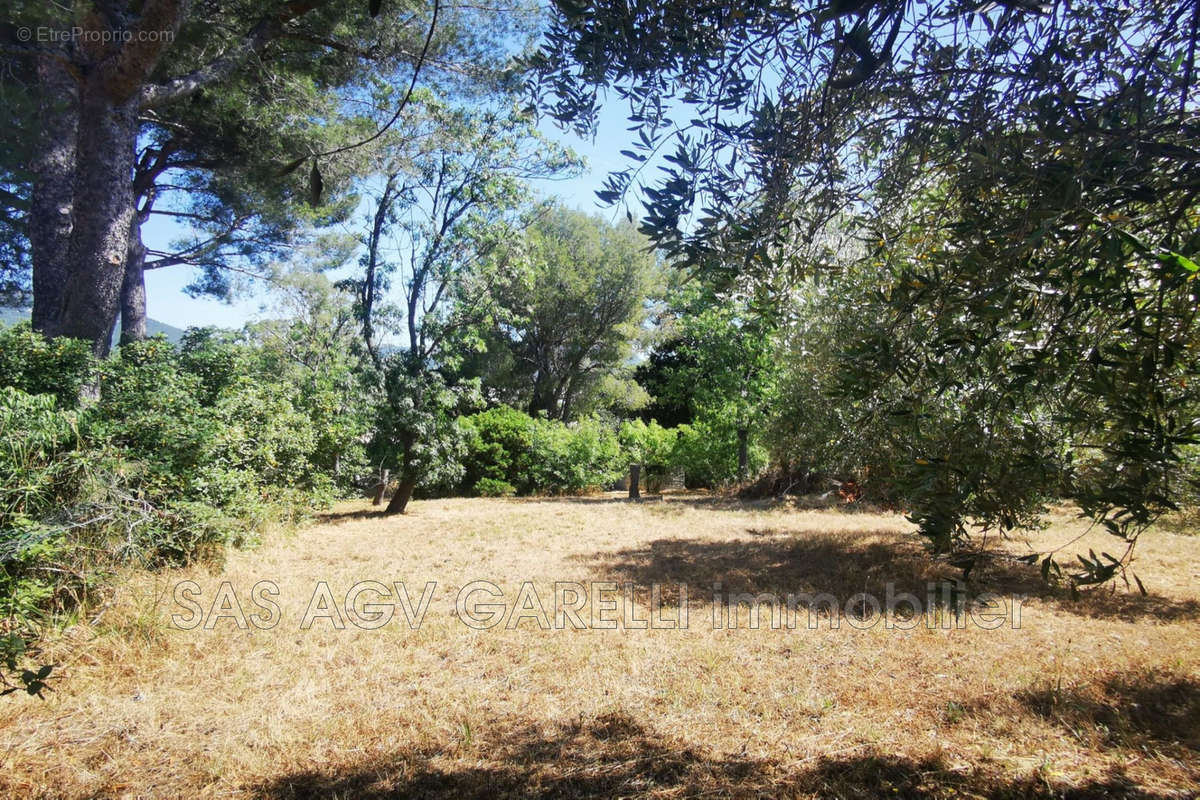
[[122, 94], [444, 202], [570, 298], [724, 363], [774, 117], [1019, 184]]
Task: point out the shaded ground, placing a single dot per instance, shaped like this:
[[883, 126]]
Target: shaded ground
[[859, 561], [1097, 698], [612, 756]]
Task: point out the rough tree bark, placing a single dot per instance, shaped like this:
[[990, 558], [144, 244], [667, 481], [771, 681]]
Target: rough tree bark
[[91, 92], [53, 195], [404, 493], [100, 237], [133, 290]]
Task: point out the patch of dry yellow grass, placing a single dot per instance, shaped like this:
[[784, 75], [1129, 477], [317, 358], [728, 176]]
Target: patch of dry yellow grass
[[1099, 697]]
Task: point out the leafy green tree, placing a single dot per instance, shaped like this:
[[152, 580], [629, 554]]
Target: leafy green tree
[[444, 203], [216, 99], [770, 119], [670, 401], [417, 430], [951, 455], [570, 299], [1022, 171], [725, 364], [314, 349], [1014, 298]]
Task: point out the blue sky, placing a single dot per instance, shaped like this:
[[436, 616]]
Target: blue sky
[[166, 302]]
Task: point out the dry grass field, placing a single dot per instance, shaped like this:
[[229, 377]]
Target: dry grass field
[[1093, 698]]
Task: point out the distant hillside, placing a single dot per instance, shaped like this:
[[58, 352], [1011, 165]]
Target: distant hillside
[[11, 316]]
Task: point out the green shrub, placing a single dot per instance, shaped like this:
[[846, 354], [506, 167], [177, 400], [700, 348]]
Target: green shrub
[[499, 447], [181, 455], [59, 503], [38, 477], [260, 432], [573, 457], [148, 409], [508, 448], [542, 456], [36, 474], [216, 359], [490, 487], [707, 452], [37, 365], [650, 445]]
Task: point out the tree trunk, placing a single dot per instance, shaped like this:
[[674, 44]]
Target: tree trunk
[[381, 488], [50, 214], [403, 494], [90, 94], [83, 209], [743, 444], [564, 409], [99, 237], [635, 478], [133, 290], [369, 283], [542, 398]]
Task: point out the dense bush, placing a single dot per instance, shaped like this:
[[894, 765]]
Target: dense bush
[[37, 365], [39, 476], [181, 453], [499, 452], [707, 452], [218, 437], [574, 457], [652, 446], [509, 452]]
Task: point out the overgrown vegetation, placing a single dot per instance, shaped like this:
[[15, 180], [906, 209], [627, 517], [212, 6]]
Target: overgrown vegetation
[[160, 455], [939, 257], [155, 456], [987, 215]]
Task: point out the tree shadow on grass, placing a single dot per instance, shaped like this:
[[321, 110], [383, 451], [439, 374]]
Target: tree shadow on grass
[[846, 563], [712, 502], [1154, 714], [338, 517], [1005, 574], [770, 563], [615, 756], [1143, 713]]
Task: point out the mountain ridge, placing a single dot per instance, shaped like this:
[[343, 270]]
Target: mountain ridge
[[12, 316]]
